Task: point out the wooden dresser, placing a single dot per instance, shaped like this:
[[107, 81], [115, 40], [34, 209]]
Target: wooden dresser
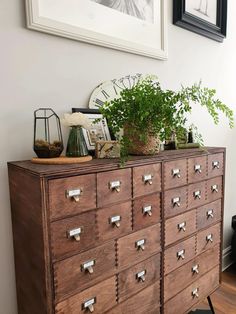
[[141, 239]]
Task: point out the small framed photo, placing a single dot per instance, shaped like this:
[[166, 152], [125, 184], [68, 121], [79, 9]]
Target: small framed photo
[[99, 131]]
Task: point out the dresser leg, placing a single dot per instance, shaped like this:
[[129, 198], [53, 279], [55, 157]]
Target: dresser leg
[[210, 304]]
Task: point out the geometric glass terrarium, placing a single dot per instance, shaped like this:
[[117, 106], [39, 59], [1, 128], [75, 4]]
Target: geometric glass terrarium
[[48, 141]]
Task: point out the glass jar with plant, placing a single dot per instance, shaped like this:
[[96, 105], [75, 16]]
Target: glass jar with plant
[[148, 114]]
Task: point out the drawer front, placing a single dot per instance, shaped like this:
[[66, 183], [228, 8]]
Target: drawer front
[[113, 186], [98, 299], [179, 227], [215, 165], [114, 221], [197, 169], [175, 201], [175, 173], [145, 302], [214, 189], [208, 214], [69, 196], [85, 268], [198, 290], [146, 211], [180, 278], [208, 238], [138, 277], [179, 254], [196, 194], [146, 179], [73, 235], [138, 246]]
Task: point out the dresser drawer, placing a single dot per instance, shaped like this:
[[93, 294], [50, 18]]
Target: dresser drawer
[[114, 221], [208, 214], [113, 186], [214, 189], [73, 235], [175, 201], [197, 169], [97, 299], [138, 277], [69, 196], [145, 302], [81, 271], [198, 290], [215, 165], [146, 211], [179, 254], [146, 179], [196, 194], [175, 173], [179, 227], [180, 278], [138, 246], [208, 238]]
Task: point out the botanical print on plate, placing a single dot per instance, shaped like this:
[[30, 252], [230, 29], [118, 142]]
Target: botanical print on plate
[[142, 9], [204, 9]]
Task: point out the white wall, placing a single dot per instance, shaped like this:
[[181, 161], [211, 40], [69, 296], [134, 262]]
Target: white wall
[[37, 69]]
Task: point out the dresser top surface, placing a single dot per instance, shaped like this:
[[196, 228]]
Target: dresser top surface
[[97, 165]]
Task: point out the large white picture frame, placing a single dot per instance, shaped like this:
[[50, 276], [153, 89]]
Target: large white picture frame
[[102, 23]]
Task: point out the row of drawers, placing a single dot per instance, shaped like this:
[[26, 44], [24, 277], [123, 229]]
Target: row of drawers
[[69, 196]]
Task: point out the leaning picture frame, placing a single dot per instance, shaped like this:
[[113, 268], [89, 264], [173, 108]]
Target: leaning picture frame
[[135, 26], [99, 131], [205, 17]]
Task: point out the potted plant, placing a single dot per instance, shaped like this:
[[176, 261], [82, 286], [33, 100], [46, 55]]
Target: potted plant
[[148, 114]]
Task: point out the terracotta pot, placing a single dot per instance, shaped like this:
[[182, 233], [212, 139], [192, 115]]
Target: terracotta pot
[[138, 147]]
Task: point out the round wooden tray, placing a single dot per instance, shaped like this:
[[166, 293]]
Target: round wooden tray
[[60, 160]]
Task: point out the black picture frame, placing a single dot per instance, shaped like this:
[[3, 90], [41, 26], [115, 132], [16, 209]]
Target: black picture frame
[[197, 25], [94, 114]]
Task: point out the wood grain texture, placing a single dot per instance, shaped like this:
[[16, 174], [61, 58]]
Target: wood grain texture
[[70, 277], [129, 284], [213, 194], [193, 200], [173, 231], [193, 174], [171, 208], [142, 219], [104, 292], [33, 279], [214, 171], [203, 217], [108, 230], [61, 206], [106, 195], [139, 185], [62, 245], [180, 278], [171, 181], [202, 242]]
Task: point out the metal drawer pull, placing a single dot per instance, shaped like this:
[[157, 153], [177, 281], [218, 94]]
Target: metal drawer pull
[[197, 194], [197, 168], [89, 305], [209, 237], [115, 221], [147, 178], [176, 201], [195, 293], [74, 194], [214, 188], [147, 210], [141, 276], [210, 213], [182, 226], [215, 165], [176, 173], [195, 269], [140, 244], [115, 185], [88, 266], [75, 233], [180, 254]]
